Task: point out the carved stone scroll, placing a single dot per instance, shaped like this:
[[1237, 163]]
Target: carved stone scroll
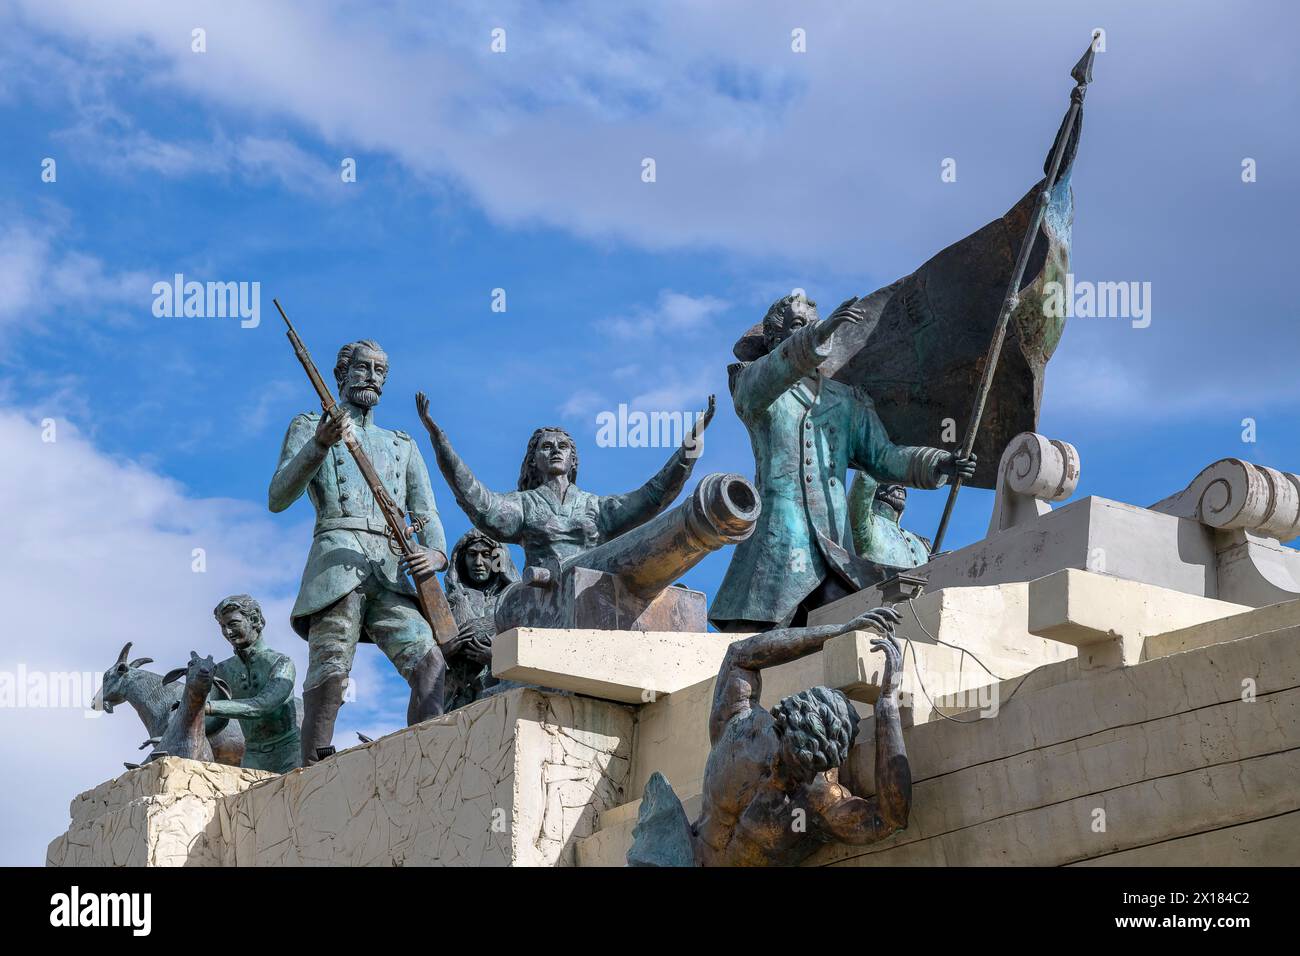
[[1235, 494], [1034, 470]]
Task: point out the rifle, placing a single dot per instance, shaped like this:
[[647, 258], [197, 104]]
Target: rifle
[[428, 592]]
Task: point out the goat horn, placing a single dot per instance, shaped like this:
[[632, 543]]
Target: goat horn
[[121, 658]]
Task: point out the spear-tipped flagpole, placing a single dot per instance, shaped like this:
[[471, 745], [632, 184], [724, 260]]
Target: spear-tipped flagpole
[[1082, 74]]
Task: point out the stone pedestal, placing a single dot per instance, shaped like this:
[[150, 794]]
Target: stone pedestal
[[1122, 723], [511, 780], [162, 814]]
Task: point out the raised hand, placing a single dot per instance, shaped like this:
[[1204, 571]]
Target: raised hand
[[881, 619], [422, 406], [695, 440], [892, 678], [851, 310]]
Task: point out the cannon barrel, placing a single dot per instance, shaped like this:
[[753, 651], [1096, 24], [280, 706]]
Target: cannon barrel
[[721, 510]]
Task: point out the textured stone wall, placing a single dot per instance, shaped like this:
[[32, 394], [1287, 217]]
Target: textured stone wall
[[514, 779], [163, 814], [1187, 759], [510, 780]]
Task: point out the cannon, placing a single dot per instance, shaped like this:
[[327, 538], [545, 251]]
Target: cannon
[[627, 583]]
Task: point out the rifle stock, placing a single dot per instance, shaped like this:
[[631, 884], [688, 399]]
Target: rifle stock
[[429, 593]]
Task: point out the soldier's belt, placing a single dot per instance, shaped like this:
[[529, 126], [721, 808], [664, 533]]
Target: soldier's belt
[[266, 746], [350, 523]]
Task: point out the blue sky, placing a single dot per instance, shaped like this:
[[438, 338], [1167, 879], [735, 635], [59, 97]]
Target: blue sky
[[522, 170]]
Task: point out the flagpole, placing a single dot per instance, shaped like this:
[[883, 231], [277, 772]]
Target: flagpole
[[1082, 74]]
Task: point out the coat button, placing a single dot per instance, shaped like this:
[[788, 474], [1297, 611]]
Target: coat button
[[343, 497], [808, 479], [343, 477], [808, 443], [807, 461], [807, 424]]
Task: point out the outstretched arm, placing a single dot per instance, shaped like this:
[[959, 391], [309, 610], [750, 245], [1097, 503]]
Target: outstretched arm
[[782, 645], [917, 466], [739, 683], [763, 382], [501, 516], [277, 690], [622, 513], [861, 820]]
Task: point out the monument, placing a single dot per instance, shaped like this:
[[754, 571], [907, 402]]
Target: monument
[[1092, 683]]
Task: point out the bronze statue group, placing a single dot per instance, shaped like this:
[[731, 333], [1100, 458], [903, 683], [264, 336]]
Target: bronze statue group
[[806, 549]]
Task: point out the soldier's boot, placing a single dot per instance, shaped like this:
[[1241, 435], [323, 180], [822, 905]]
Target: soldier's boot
[[320, 706], [427, 682]]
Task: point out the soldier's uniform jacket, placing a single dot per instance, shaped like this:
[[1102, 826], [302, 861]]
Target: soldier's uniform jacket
[[876, 530], [806, 431], [262, 688], [349, 541]]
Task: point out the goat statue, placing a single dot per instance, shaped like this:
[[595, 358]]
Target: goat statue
[[154, 700]]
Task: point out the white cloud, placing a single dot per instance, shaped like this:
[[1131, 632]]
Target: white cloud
[[99, 552], [37, 276], [679, 393], [582, 404], [674, 313], [555, 129]]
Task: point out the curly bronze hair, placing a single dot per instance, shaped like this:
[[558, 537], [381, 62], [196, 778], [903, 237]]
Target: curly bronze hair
[[529, 478], [775, 319], [822, 725], [246, 605]]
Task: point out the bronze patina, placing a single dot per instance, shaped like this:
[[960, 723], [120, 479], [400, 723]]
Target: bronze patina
[[807, 430], [772, 793], [260, 680], [356, 585], [554, 520], [481, 570]]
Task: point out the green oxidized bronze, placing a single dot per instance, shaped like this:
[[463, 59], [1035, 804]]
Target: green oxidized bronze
[[261, 682], [355, 586], [875, 511], [480, 570], [549, 515], [807, 430]]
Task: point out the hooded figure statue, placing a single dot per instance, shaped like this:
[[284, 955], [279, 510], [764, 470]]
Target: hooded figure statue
[[480, 570]]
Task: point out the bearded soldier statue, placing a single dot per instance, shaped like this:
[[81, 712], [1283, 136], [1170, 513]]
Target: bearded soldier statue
[[354, 586]]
